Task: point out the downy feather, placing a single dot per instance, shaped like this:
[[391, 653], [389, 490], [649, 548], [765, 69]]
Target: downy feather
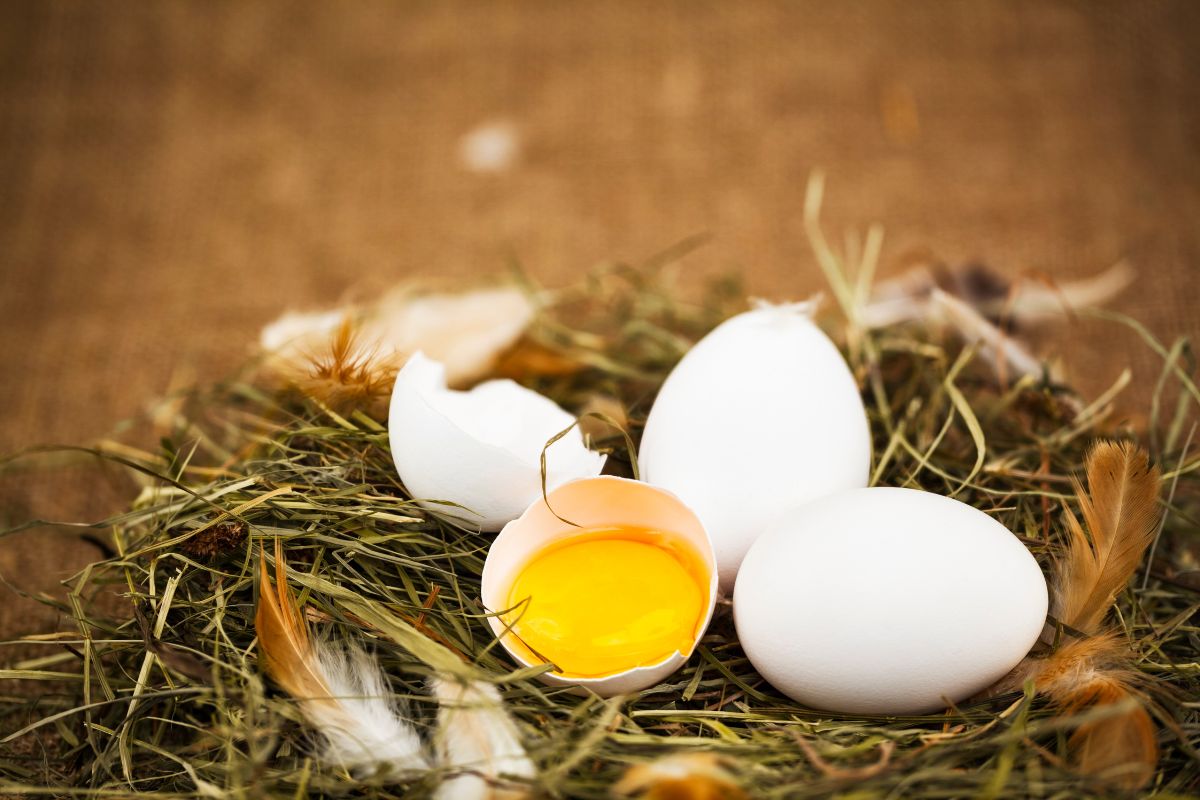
[[466, 331], [1007, 355], [478, 745], [1090, 674], [348, 374], [1093, 673], [342, 694]]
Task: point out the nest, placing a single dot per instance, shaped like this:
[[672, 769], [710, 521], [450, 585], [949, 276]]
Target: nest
[[159, 691]]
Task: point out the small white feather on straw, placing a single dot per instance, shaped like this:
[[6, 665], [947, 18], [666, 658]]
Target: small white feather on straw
[[341, 693], [906, 297], [477, 744], [1033, 303], [1007, 356]]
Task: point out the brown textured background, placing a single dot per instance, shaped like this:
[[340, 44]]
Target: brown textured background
[[173, 175]]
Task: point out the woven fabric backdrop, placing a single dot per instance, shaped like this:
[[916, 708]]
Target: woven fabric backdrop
[[173, 175]]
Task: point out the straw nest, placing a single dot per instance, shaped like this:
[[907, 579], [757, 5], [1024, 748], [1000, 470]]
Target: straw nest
[[157, 691]]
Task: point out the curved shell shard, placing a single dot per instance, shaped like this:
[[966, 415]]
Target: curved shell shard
[[475, 456]]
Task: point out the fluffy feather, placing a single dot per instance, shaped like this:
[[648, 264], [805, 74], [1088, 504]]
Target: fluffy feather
[[1093, 673], [295, 331], [1008, 356], [682, 776], [348, 375], [342, 694], [1120, 510], [466, 331], [1089, 674], [1121, 746], [996, 296], [478, 744]]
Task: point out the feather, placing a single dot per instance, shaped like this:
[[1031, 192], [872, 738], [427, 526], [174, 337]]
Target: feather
[[348, 375], [682, 776], [997, 297], [1092, 674], [478, 744], [1120, 511], [466, 332], [1119, 747], [1035, 303], [295, 332], [1005, 353], [1088, 675], [342, 694]]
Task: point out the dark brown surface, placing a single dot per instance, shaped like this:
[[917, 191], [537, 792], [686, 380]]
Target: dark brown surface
[[174, 175]]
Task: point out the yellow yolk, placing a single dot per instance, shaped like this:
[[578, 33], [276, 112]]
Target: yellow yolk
[[608, 600]]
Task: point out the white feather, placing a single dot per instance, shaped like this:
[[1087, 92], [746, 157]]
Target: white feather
[[365, 730], [466, 331], [1035, 303], [478, 745], [907, 297], [294, 331], [1005, 353]]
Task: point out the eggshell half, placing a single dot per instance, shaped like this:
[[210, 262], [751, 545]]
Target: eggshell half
[[760, 416], [887, 601], [589, 503], [475, 456]]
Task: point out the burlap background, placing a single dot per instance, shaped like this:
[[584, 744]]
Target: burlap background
[[172, 175]]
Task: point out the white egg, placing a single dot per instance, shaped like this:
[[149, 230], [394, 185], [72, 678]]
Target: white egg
[[760, 416], [887, 601], [475, 456]]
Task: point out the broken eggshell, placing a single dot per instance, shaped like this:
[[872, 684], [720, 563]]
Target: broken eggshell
[[475, 456], [593, 503]]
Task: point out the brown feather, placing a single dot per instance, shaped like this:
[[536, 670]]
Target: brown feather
[[1121, 747], [341, 693], [1090, 673], [1120, 511], [348, 375], [283, 640]]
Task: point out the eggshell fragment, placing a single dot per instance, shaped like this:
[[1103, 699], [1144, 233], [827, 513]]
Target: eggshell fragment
[[475, 456], [887, 601], [760, 416], [591, 503]]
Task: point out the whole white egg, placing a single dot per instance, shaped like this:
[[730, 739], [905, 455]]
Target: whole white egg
[[760, 416], [887, 601]]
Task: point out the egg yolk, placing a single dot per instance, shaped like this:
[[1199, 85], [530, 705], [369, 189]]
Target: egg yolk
[[608, 600]]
